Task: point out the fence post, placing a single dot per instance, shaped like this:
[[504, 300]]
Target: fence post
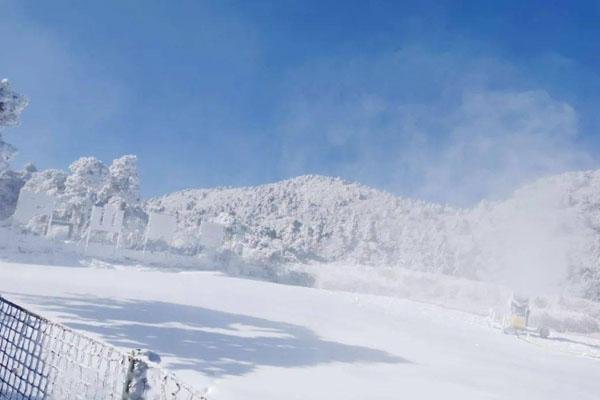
[[136, 381]]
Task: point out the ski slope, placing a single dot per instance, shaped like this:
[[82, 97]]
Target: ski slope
[[242, 339]]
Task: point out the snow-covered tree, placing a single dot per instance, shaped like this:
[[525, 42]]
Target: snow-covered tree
[[11, 105], [88, 177], [90, 182], [122, 189], [82, 189], [123, 183], [50, 181]]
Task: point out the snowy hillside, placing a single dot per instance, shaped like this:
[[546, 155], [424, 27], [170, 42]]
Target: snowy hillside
[[546, 233], [318, 218]]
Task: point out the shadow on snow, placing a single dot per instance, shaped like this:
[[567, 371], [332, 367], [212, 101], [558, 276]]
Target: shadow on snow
[[212, 342]]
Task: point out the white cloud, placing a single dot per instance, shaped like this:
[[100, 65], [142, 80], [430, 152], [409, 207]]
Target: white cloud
[[498, 140], [444, 127]]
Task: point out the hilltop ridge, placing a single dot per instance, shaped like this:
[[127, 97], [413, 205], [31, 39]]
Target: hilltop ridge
[[549, 228]]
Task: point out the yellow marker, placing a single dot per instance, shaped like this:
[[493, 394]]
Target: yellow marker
[[518, 322]]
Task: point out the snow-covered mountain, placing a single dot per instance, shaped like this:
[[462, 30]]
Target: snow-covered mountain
[[544, 233], [318, 218]]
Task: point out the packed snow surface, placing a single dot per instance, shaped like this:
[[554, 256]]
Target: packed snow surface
[[240, 338]]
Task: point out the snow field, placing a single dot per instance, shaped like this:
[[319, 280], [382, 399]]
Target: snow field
[[240, 338]]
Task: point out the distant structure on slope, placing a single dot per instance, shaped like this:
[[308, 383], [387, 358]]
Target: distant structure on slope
[[31, 205]]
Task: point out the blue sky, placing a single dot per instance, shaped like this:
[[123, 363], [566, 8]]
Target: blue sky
[[446, 101]]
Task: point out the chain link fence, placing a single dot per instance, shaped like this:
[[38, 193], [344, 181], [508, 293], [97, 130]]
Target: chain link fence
[[41, 359]]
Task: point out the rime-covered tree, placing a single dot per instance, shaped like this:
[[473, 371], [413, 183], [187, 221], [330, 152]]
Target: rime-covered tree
[[122, 189], [50, 181], [83, 186], [87, 178], [123, 183], [11, 105], [90, 182]]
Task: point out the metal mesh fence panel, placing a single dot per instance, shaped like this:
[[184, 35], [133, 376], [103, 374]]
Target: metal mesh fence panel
[[40, 359]]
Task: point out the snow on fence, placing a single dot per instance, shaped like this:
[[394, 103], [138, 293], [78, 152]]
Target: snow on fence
[[106, 219], [40, 359], [31, 205], [212, 234], [160, 227]]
